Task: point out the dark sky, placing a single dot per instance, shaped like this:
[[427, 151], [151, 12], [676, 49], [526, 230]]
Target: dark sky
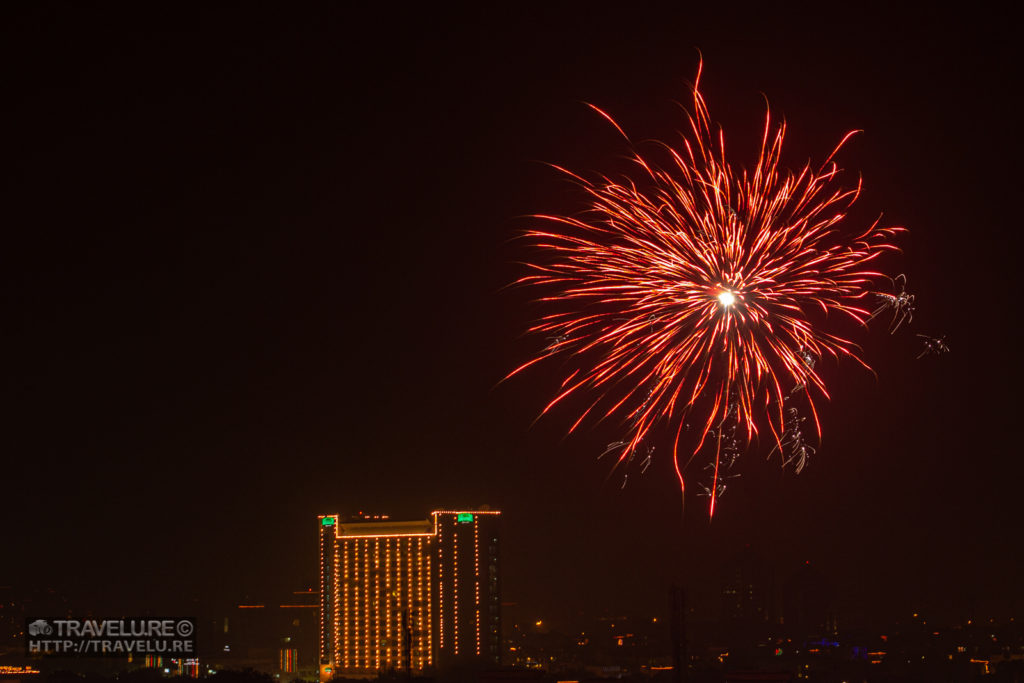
[[253, 263]]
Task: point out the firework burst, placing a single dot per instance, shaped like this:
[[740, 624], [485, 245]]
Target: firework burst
[[697, 291]]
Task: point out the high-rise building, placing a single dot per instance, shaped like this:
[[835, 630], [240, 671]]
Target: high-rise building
[[408, 595], [468, 588], [746, 589]]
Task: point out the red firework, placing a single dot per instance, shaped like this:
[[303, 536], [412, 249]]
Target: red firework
[[705, 291]]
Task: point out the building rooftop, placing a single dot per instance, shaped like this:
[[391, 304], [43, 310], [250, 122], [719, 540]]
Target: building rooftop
[[422, 527]]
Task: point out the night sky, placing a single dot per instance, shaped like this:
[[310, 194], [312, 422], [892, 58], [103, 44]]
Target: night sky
[[254, 269]]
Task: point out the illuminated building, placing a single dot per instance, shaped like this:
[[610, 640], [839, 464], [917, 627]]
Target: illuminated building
[[187, 667], [397, 595], [289, 658], [468, 586], [17, 671]]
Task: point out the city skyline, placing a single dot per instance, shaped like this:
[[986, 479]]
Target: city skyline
[[258, 268]]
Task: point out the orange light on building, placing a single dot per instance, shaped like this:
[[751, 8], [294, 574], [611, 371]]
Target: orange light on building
[[476, 577], [346, 614], [430, 607], [440, 580], [289, 660], [455, 601], [380, 588], [406, 592]]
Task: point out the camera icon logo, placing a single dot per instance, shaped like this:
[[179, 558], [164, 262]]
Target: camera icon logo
[[39, 627]]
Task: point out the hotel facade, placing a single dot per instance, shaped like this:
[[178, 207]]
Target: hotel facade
[[409, 595]]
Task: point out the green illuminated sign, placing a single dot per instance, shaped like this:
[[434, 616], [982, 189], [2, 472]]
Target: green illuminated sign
[[464, 517], [327, 521]]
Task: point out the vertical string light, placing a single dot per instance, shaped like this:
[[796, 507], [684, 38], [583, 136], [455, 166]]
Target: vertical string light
[[387, 603], [367, 624], [476, 558], [439, 530], [415, 616], [410, 597], [323, 589], [430, 614], [357, 606], [354, 595], [455, 591], [336, 604], [348, 616], [420, 645], [400, 600], [376, 603]]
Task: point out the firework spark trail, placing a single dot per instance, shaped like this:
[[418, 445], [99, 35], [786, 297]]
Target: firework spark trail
[[698, 284]]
